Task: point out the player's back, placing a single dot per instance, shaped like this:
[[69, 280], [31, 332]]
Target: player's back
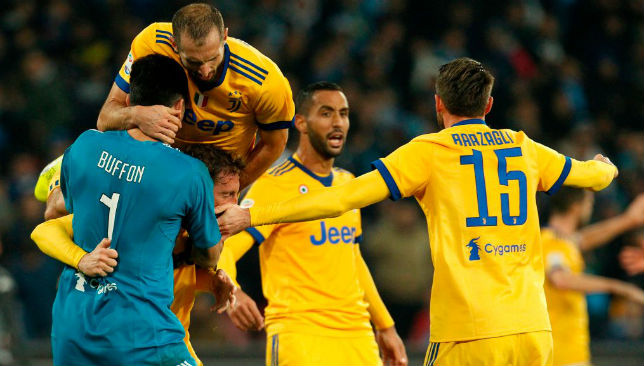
[[137, 193], [477, 186]]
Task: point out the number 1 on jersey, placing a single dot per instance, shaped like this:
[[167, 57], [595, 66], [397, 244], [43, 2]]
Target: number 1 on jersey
[[112, 203]]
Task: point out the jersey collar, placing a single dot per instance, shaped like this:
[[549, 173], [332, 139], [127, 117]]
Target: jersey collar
[[326, 181], [473, 121], [225, 62]]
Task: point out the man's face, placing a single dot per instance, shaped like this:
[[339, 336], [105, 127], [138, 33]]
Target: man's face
[[327, 122], [226, 188], [202, 59]]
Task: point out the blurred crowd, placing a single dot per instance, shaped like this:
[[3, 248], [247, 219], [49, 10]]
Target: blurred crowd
[[568, 72]]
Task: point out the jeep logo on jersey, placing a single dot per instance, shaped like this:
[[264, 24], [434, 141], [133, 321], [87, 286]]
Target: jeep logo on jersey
[[333, 235], [235, 100], [206, 124]]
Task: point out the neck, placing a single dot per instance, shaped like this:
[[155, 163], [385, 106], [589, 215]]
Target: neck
[[450, 119], [565, 224], [139, 135], [312, 159]]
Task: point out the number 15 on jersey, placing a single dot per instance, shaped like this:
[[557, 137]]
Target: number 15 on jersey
[[505, 176]]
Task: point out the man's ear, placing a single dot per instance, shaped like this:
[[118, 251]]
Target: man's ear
[[439, 103], [180, 106], [488, 107], [300, 123]]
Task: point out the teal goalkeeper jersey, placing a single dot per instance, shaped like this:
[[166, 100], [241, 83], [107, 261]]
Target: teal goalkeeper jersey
[[138, 193]]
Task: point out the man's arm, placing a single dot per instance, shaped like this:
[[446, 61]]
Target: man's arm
[[54, 238], [55, 205], [594, 174], [266, 151], [389, 342], [566, 280], [321, 203], [157, 121], [207, 257], [604, 231]]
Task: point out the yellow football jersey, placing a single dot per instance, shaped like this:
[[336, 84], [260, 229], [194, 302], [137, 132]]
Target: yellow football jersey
[[477, 187], [567, 309], [309, 274], [251, 93]]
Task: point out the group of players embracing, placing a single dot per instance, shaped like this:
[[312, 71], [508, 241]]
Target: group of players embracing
[[130, 213]]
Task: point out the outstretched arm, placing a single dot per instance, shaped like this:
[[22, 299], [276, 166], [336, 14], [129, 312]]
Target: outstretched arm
[[326, 202], [604, 231], [595, 174], [566, 280]]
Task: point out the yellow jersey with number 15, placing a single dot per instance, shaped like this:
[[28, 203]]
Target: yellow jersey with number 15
[[251, 93], [477, 187]]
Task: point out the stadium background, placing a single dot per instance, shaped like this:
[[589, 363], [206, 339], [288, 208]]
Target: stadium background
[[569, 73]]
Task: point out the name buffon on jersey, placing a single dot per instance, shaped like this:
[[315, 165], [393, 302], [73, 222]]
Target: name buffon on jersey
[[491, 138], [118, 168]]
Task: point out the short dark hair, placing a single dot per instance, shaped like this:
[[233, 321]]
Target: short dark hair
[[217, 161], [197, 20], [304, 97], [464, 85], [157, 79], [565, 198]]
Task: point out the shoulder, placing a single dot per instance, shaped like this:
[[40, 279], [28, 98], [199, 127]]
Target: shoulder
[[158, 37], [342, 175], [242, 53], [247, 61]]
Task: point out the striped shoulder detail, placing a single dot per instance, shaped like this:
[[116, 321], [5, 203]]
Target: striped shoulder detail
[[287, 166], [272, 170], [166, 38], [246, 68]]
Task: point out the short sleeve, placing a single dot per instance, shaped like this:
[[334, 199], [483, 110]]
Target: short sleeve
[[406, 170], [140, 47], [201, 222], [65, 170], [553, 168], [275, 109], [556, 260]]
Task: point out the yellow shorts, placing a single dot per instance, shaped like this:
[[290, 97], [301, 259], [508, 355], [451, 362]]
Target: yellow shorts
[[525, 349], [299, 349]]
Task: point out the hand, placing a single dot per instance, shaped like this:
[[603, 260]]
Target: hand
[[602, 158], [158, 121], [391, 347], [633, 293], [246, 315], [233, 219], [632, 260], [224, 290], [635, 211], [100, 261]]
